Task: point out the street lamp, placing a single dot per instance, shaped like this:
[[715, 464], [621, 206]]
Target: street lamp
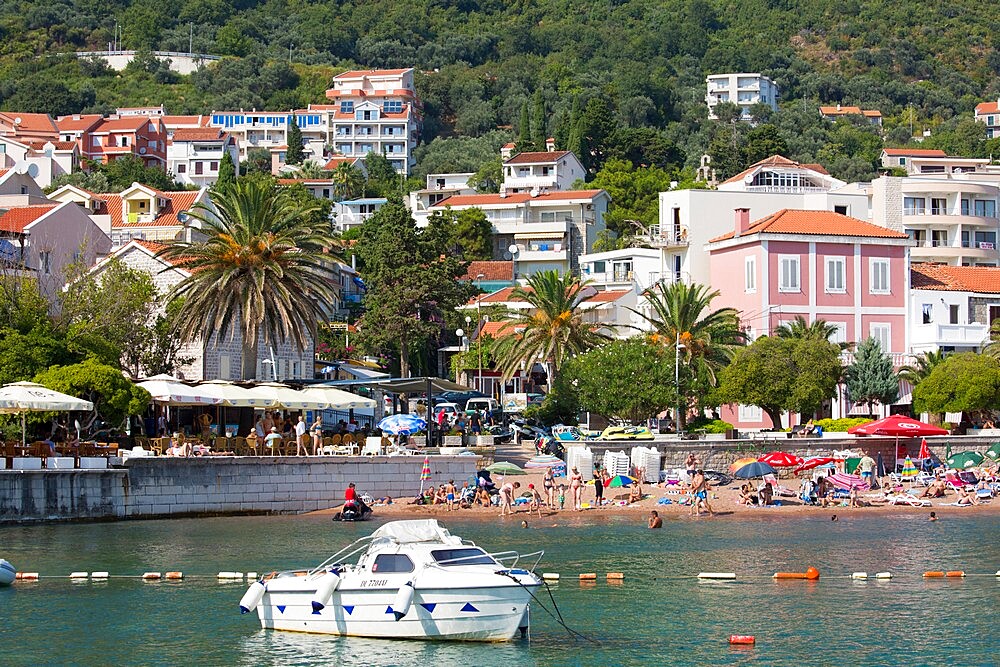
[[677, 380], [513, 250], [479, 336]]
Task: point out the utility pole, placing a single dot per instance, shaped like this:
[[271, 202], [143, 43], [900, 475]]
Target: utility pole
[[191, 38]]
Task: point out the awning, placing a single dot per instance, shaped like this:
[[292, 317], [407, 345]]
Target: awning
[[552, 236], [403, 385], [337, 399], [232, 395]]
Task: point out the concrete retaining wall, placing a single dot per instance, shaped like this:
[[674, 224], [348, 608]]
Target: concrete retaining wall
[[149, 487]]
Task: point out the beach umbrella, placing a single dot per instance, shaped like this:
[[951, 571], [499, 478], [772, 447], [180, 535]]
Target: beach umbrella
[[739, 463], [169, 390], [925, 452], [505, 468], [22, 397], [402, 423], [964, 460], [755, 469], [781, 459], [845, 481], [900, 426], [619, 481], [425, 473], [994, 451], [909, 470], [814, 462]]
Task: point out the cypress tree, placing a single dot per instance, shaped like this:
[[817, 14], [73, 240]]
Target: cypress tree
[[871, 378], [538, 129], [227, 172], [524, 130], [294, 154]]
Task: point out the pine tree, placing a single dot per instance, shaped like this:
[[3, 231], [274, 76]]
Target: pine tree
[[227, 172], [294, 154], [871, 378], [524, 130], [538, 126]]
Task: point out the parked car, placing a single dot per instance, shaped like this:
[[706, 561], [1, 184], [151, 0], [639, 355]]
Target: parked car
[[459, 397], [483, 405], [450, 409]]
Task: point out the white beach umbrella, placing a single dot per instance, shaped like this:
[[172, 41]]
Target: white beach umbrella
[[233, 395], [23, 397], [338, 399], [282, 396], [171, 391]]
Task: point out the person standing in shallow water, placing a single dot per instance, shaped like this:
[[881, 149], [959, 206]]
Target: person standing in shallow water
[[699, 485], [599, 488], [654, 519]]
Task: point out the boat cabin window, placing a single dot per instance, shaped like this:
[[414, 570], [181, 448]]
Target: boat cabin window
[[462, 557], [392, 563]]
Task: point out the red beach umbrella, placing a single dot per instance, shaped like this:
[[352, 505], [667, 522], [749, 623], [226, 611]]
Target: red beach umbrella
[[925, 452], [814, 462], [899, 426], [781, 459]]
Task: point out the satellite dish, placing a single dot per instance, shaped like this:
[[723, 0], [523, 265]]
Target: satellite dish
[[507, 255], [21, 168], [17, 121], [182, 216], [142, 150], [33, 170]]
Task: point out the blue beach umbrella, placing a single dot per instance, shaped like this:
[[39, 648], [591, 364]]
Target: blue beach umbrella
[[402, 423], [755, 469]]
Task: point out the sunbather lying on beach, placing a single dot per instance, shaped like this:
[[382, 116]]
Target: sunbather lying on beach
[[966, 498], [934, 490]]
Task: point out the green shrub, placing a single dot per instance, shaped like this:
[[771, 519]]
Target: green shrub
[[710, 425], [840, 425]]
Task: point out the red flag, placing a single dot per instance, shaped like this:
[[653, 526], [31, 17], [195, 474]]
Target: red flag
[[925, 452]]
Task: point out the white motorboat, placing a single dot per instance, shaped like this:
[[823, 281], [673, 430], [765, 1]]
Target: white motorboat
[[7, 573], [411, 579]]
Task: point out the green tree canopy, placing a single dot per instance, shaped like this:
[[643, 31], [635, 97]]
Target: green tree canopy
[[870, 377], [113, 395], [635, 194], [466, 233], [294, 154], [630, 380], [966, 382]]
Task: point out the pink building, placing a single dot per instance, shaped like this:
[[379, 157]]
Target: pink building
[[817, 265]]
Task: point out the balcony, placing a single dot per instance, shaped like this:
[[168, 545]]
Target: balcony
[[517, 225], [542, 256], [668, 236], [949, 335], [348, 219], [523, 182]]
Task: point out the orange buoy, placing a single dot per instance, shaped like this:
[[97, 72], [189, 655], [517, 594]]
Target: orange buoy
[[954, 573], [616, 575], [151, 576], [174, 575], [933, 574], [588, 576], [742, 639], [812, 574]]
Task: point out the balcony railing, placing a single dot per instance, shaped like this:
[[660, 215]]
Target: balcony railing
[[668, 236], [951, 334]]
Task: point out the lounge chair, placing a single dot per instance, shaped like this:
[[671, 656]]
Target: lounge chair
[[779, 490], [907, 499]]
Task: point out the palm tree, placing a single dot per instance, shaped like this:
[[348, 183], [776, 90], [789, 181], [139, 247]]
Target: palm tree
[[706, 339], [348, 181], [552, 329], [921, 367], [992, 347], [260, 270], [311, 169], [799, 329]]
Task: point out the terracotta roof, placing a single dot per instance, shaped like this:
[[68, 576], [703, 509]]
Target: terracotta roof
[[79, 122], [175, 121], [505, 295], [607, 296], [176, 202], [39, 145], [775, 161], [815, 223], [338, 160], [126, 124], [496, 330], [849, 111], [500, 296], [151, 246], [510, 144], [988, 107], [354, 74], [31, 122], [980, 279], [537, 157], [915, 152], [198, 134], [3, 172], [16, 218], [306, 181], [491, 270], [519, 198]]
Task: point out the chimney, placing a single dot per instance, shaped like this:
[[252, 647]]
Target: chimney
[[838, 106], [742, 221], [550, 144]]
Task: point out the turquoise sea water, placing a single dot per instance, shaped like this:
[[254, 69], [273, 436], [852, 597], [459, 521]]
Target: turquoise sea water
[[660, 615]]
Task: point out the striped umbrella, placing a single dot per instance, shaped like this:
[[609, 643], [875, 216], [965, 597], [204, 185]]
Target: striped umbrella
[[909, 470], [425, 472]]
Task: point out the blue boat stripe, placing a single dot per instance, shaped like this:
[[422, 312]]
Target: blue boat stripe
[[468, 607]]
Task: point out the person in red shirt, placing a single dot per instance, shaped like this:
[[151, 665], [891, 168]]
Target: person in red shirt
[[351, 496]]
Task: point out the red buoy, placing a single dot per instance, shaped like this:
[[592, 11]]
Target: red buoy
[[741, 639]]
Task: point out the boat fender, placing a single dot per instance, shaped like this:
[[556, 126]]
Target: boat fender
[[742, 639], [151, 576], [554, 576], [98, 576], [8, 573], [230, 575], [252, 597], [404, 598], [78, 575], [325, 587]]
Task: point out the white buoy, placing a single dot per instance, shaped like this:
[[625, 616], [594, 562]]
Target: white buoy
[[859, 575], [716, 575], [78, 575], [98, 575], [252, 597], [883, 575], [404, 598], [151, 576], [8, 573], [325, 586], [251, 575], [230, 575], [554, 576]]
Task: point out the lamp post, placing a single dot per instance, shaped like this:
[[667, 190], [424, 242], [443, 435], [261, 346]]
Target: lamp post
[[677, 379], [479, 335], [513, 250]]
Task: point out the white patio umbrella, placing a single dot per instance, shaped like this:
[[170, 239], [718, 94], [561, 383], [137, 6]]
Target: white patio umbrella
[[171, 391], [282, 396], [338, 399], [233, 395], [24, 397]]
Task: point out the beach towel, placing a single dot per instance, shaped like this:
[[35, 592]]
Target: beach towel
[[664, 501], [848, 482]]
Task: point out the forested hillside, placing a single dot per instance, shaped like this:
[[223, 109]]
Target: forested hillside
[[625, 78]]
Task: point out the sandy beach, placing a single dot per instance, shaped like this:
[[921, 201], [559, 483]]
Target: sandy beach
[[723, 499]]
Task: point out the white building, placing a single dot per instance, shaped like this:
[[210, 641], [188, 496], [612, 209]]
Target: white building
[[690, 218], [628, 268], [43, 160], [542, 171], [194, 155], [953, 219], [353, 212], [952, 307], [439, 187], [988, 113], [743, 89], [548, 231], [220, 357], [269, 130], [924, 161]]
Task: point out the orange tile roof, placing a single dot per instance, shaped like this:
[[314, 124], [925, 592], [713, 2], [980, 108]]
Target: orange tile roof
[[126, 124], [3, 172], [915, 152], [16, 218], [198, 134], [849, 111], [537, 157], [175, 121], [607, 296], [177, 202], [814, 223], [979, 279], [306, 181], [497, 330], [491, 270], [79, 122], [338, 160], [31, 122], [519, 198], [500, 296], [505, 295], [354, 74], [988, 107], [775, 161], [58, 145]]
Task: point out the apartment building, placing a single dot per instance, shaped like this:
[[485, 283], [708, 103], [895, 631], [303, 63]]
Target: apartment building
[[439, 187], [27, 126], [351, 213], [540, 171], [952, 307], [103, 139], [917, 161], [546, 231], [194, 155], [988, 113], [44, 160], [952, 220], [269, 130], [744, 89]]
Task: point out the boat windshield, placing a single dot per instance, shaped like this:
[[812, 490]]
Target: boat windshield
[[462, 557]]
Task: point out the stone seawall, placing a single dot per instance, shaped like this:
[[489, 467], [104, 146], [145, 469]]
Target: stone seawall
[[149, 487]]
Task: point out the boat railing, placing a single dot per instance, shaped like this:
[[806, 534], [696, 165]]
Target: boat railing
[[515, 557], [352, 549]]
